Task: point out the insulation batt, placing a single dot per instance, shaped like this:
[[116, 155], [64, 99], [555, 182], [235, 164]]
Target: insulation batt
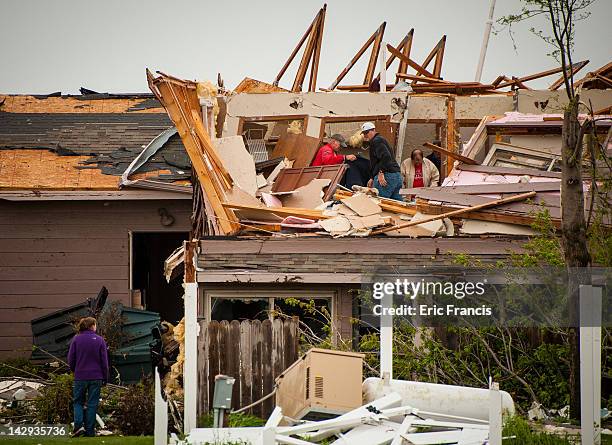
[[206, 90], [356, 140], [172, 379], [295, 127]]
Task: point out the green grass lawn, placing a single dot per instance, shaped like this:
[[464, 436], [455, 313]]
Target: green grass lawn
[[102, 440]]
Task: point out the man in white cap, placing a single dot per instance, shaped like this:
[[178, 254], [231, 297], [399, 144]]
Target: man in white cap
[[385, 171]]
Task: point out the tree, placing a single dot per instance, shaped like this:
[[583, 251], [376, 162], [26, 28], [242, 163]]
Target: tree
[[562, 16]]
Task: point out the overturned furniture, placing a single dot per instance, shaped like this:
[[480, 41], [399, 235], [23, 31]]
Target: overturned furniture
[[312, 387]]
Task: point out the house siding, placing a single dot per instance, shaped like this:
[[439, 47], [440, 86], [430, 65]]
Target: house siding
[[55, 254]]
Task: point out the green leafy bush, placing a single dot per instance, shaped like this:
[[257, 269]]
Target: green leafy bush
[[55, 402]]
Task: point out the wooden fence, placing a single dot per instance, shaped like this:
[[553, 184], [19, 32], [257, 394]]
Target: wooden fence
[[251, 351]]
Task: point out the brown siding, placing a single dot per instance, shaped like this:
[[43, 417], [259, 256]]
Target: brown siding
[[56, 254]]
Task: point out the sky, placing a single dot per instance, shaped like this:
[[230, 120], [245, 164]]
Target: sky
[[105, 45]]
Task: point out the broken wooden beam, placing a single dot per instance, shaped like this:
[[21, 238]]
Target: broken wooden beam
[[283, 211], [458, 212], [180, 99], [450, 154], [411, 63], [539, 75]]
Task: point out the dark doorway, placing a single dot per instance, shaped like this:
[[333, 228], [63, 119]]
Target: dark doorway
[[149, 251]]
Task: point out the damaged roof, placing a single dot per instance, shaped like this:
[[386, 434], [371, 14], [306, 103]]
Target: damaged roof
[[84, 142]]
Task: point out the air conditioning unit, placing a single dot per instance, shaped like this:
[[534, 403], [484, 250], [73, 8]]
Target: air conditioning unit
[[320, 384]]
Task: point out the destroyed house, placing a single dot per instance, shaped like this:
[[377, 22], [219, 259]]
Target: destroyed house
[[267, 237], [262, 229]]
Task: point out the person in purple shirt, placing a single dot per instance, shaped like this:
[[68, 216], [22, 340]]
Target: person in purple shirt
[[88, 359]]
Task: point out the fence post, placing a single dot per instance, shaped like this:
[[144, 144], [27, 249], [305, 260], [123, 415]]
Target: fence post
[[190, 367], [590, 364]]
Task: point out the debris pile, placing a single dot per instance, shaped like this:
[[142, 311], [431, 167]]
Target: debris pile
[[484, 192], [383, 421]]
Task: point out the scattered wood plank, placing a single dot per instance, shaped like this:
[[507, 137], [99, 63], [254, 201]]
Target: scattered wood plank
[[485, 189], [471, 200], [284, 211], [390, 205], [450, 154], [458, 212], [508, 171], [482, 215]]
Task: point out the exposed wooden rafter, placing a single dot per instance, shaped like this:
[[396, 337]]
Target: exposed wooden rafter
[[313, 37], [375, 40], [519, 81], [405, 46]]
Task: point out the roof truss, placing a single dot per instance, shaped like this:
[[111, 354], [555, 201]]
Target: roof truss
[[313, 37]]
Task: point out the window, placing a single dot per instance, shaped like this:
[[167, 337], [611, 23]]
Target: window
[[312, 308], [504, 155]]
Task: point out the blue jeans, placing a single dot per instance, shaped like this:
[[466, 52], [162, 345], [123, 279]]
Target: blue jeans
[[394, 184], [86, 392]]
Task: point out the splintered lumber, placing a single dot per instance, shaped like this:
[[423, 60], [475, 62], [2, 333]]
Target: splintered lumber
[[457, 212], [281, 211], [492, 215], [389, 205], [180, 99], [450, 154]]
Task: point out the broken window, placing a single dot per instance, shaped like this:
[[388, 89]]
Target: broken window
[[510, 156], [315, 310]]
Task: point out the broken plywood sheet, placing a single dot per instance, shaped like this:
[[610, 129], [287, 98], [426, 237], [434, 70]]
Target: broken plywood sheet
[[238, 196], [430, 228], [309, 196], [258, 214], [362, 205], [477, 227], [336, 225], [285, 163], [344, 210], [238, 162], [261, 181], [297, 147], [366, 222]]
